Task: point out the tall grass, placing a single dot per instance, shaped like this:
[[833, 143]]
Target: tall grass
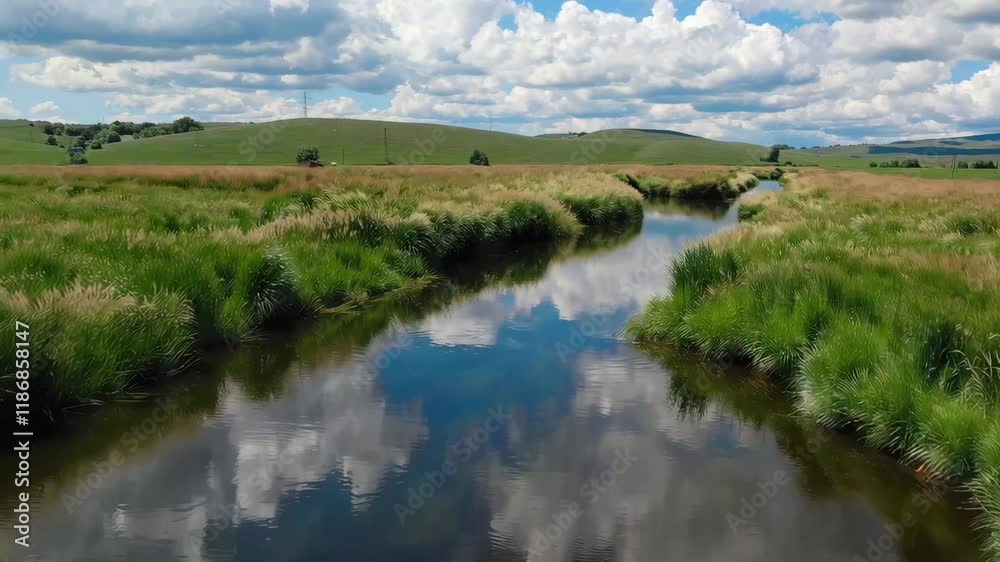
[[708, 186], [881, 307], [122, 278]]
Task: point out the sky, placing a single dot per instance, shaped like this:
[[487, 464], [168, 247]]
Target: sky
[[799, 72]]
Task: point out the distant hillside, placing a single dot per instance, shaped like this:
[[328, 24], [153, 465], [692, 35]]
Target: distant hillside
[[363, 142], [931, 152]]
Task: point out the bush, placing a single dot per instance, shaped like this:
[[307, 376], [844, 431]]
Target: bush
[[185, 124], [77, 158], [479, 158], [96, 145], [51, 141], [873, 164], [154, 131], [963, 165], [307, 155], [49, 129], [775, 154]]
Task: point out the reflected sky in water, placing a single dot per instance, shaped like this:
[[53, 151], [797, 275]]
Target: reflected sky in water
[[501, 407]]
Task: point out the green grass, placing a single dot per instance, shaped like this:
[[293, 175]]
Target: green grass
[[880, 308], [709, 186], [362, 142], [123, 274]]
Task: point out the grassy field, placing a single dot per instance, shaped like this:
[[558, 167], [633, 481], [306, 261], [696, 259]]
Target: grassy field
[[123, 273], [880, 304], [363, 142], [366, 142]]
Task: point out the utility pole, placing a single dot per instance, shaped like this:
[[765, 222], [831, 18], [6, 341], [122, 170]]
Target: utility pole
[[305, 103], [385, 135]]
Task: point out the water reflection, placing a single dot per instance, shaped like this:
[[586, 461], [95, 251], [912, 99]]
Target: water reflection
[[334, 442]]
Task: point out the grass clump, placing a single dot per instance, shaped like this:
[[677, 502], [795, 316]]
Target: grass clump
[[880, 307], [123, 276], [707, 186], [747, 211]]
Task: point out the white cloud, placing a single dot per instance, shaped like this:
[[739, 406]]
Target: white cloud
[[876, 64], [7, 109], [44, 107]]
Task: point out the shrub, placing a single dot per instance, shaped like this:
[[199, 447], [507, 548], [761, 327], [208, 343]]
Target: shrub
[[154, 131], [963, 165], [873, 164], [307, 155], [479, 158], [77, 158], [775, 154], [185, 124], [51, 141], [96, 145]]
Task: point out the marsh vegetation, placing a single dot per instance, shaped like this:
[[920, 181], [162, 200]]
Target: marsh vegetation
[[124, 273], [878, 302]]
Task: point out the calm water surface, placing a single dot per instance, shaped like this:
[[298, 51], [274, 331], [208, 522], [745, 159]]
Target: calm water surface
[[470, 423]]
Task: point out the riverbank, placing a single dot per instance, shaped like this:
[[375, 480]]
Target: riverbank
[[878, 301], [123, 274], [707, 186]]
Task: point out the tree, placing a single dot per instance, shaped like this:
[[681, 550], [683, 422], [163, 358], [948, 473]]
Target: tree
[[49, 129], [185, 124], [87, 134], [154, 131], [479, 158], [51, 141], [873, 164], [307, 155], [963, 165], [77, 159], [775, 154]]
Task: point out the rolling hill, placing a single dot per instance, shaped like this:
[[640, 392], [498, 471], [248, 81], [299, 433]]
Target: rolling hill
[[930, 152], [364, 142]]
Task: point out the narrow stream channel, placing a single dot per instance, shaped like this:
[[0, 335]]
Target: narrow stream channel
[[506, 423]]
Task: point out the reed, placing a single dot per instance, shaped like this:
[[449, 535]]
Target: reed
[[880, 305], [124, 274]]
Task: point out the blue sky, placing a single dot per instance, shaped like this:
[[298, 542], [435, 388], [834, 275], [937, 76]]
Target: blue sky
[[794, 71]]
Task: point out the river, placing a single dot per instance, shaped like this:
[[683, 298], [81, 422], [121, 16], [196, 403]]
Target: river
[[503, 418]]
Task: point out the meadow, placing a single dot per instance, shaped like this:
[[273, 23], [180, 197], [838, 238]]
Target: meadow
[[877, 301], [123, 273], [362, 142]]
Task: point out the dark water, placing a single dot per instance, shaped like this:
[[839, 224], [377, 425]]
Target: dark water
[[468, 423]]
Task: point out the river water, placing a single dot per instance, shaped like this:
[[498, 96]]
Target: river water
[[501, 418]]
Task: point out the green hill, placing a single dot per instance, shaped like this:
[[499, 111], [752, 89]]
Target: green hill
[[930, 152], [363, 142]]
